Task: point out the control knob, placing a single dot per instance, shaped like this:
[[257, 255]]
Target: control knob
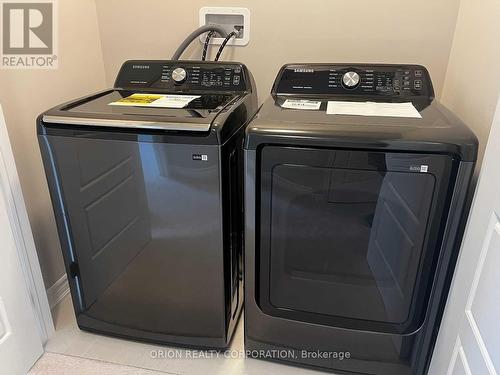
[[350, 80], [179, 75]]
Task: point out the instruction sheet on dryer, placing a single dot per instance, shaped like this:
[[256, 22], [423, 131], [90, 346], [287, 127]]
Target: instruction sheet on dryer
[[372, 109]]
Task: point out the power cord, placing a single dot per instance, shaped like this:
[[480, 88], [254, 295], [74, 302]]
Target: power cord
[[205, 45], [201, 30], [232, 34]]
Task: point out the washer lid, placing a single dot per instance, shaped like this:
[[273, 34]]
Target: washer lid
[[196, 112]]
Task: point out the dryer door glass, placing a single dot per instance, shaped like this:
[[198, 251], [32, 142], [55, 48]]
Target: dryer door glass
[[346, 235]]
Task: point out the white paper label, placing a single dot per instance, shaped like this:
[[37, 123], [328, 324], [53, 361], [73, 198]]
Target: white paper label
[[372, 109], [302, 104], [174, 101]]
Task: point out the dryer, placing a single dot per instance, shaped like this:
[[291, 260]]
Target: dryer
[[356, 180]]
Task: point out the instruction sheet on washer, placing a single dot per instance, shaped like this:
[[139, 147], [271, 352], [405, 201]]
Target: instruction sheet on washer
[[156, 100]]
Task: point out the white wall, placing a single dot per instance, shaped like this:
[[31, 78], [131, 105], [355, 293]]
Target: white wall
[[281, 31], [390, 31], [24, 94], [472, 81]]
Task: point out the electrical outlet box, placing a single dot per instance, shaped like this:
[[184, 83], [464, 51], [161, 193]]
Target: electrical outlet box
[[229, 18]]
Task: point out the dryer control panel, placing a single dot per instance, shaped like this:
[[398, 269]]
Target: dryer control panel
[[183, 76], [355, 79]]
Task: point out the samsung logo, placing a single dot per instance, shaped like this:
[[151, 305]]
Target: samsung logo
[[303, 70], [140, 66]]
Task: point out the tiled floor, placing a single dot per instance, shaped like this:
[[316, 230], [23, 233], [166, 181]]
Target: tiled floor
[[59, 364], [71, 349]]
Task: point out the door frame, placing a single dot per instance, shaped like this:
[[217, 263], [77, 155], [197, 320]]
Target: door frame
[[18, 216]]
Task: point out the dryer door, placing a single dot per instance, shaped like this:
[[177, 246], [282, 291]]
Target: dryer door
[[350, 238]]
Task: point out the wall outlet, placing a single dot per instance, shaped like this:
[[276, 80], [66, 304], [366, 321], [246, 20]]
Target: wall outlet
[[229, 18]]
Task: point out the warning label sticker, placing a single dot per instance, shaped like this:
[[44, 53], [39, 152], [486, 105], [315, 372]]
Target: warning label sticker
[[156, 100], [303, 104]]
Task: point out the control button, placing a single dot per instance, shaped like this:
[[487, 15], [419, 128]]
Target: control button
[[179, 75], [237, 70], [418, 73], [351, 80], [417, 84], [236, 80], [406, 83]]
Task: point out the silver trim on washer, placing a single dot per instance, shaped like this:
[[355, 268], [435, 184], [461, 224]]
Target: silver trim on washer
[[125, 123]]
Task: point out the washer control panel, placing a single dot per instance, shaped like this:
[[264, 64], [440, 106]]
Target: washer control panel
[[355, 79], [183, 76]]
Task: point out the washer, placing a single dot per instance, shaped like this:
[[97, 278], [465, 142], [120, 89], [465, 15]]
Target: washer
[[148, 200], [353, 221]]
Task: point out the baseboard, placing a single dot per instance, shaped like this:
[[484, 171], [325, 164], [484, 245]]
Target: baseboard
[[58, 291]]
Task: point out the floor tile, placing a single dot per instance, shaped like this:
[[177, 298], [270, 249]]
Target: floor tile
[[70, 340], [58, 364]]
